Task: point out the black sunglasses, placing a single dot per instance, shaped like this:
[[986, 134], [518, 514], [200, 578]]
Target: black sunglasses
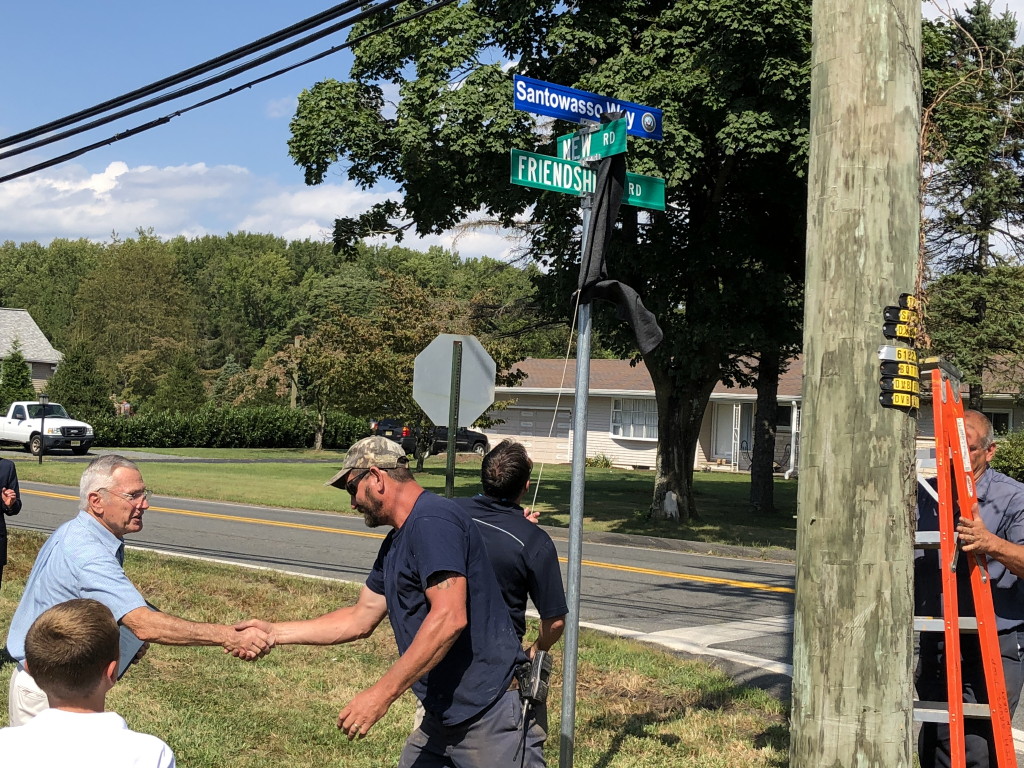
[[353, 482]]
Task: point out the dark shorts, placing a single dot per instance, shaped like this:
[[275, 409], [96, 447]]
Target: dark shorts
[[933, 747], [493, 739]]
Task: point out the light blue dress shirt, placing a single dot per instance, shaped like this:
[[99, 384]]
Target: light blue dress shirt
[[80, 559]]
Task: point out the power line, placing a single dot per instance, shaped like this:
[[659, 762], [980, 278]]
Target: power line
[[206, 83], [187, 74], [167, 118]]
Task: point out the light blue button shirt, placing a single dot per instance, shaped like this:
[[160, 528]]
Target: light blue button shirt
[[1001, 503], [80, 559]]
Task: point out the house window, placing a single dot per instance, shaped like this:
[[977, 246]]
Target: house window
[[635, 417], [1002, 421]]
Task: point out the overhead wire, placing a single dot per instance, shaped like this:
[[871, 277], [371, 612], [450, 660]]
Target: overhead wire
[[206, 83], [167, 118], [185, 74]]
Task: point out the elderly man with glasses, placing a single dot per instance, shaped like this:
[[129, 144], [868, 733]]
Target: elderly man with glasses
[[458, 649], [84, 557]]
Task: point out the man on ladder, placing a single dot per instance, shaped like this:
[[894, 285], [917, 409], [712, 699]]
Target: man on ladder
[[998, 533]]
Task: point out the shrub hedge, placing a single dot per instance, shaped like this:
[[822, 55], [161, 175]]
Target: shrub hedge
[[1009, 458], [211, 427]]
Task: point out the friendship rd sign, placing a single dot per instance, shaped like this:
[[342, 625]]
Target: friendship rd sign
[[608, 140], [555, 175], [570, 104]]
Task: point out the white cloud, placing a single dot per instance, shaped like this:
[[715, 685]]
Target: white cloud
[[176, 200], [284, 107], [193, 200]]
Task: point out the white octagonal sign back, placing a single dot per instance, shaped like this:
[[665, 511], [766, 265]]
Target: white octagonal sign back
[[432, 379]]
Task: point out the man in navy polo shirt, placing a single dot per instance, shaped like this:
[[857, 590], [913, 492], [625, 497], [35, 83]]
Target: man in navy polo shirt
[[522, 554], [458, 648]]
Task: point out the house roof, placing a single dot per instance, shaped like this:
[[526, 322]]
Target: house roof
[[17, 324], [619, 377]]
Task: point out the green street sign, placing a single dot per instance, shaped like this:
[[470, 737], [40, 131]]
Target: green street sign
[[644, 192], [545, 172], [609, 139], [555, 175]]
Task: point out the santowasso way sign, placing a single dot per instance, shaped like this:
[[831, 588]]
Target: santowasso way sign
[[556, 175], [606, 141], [566, 103]]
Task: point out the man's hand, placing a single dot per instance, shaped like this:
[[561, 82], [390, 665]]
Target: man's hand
[[976, 538], [141, 652], [531, 515], [249, 644], [362, 712], [8, 497]]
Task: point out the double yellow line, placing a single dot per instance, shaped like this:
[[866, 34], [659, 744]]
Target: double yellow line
[[367, 535]]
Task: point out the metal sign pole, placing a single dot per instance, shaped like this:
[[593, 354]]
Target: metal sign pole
[[579, 454], [453, 417]]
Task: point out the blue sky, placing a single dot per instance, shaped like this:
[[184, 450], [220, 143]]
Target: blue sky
[[221, 168]]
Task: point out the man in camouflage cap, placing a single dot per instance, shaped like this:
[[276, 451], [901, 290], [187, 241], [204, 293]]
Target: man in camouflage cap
[[457, 644]]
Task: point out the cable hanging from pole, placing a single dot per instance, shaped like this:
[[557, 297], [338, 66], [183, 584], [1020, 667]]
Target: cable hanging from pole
[[167, 118], [206, 83], [184, 75]]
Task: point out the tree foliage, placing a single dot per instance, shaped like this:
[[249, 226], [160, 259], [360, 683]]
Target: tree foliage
[[973, 140], [721, 267], [972, 150], [976, 322], [15, 377], [79, 386]]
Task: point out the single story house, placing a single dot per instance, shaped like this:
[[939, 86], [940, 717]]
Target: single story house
[[17, 325], [622, 416]]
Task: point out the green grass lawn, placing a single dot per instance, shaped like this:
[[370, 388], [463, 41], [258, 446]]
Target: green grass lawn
[[636, 706], [615, 500]]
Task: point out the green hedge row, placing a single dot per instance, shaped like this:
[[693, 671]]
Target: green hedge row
[[1009, 458], [210, 427]]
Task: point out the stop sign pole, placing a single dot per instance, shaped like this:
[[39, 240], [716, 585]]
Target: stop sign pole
[[453, 382], [453, 418]]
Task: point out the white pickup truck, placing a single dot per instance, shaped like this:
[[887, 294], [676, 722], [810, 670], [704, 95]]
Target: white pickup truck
[[25, 424]]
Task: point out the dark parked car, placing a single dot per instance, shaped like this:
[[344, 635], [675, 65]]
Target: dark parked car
[[465, 439]]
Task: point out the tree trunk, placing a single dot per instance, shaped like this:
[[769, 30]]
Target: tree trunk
[[681, 407], [318, 437], [975, 396], [853, 625], [762, 463]]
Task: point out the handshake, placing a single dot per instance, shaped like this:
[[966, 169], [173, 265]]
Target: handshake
[[249, 640]]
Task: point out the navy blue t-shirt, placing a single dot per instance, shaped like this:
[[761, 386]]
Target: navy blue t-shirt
[[523, 557], [437, 537]]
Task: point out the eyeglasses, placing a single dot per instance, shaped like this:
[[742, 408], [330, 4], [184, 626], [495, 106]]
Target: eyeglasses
[[353, 483], [135, 499]]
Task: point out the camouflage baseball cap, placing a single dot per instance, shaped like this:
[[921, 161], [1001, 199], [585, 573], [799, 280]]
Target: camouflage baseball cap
[[374, 451]]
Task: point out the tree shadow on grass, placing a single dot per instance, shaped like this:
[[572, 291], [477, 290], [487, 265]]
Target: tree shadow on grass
[[660, 708]]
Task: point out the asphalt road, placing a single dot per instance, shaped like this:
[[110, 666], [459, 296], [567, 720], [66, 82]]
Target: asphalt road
[[734, 612]]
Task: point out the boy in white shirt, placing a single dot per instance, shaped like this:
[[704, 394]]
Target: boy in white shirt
[[72, 652]]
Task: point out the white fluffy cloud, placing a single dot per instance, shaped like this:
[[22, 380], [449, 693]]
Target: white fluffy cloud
[[197, 199], [193, 200]]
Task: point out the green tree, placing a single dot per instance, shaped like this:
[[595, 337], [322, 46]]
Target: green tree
[[78, 385], [134, 313], [15, 377], [973, 140], [732, 78], [976, 322], [972, 150], [181, 388]]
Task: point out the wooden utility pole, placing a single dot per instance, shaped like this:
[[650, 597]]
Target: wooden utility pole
[[852, 687]]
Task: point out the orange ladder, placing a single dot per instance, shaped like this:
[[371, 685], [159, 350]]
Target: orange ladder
[[956, 493]]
